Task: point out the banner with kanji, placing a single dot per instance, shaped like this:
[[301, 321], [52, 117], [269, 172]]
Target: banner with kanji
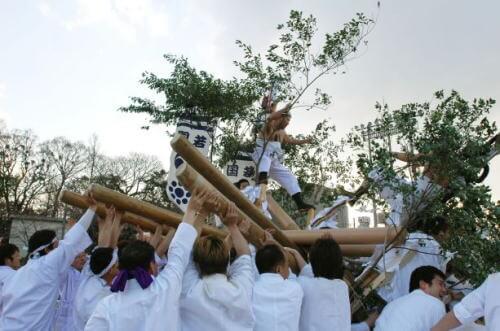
[[243, 167], [199, 134]]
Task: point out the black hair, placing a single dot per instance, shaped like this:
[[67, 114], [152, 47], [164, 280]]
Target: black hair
[[241, 181], [137, 253], [326, 259], [100, 259], [40, 238], [7, 251], [431, 225], [425, 273], [268, 258]]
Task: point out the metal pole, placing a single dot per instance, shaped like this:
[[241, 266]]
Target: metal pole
[[369, 128]]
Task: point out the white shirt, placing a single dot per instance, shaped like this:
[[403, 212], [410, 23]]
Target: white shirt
[[276, 303], [154, 308], [218, 302], [6, 273], [484, 301], [326, 303], [418, 250], [30, 297], [67, 292], [91, 290], [416, 311]]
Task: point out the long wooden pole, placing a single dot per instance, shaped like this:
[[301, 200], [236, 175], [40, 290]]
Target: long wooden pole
[[191, 180], [206, 169], [280, 217], [145, 209], [79, 201], [344, 236]]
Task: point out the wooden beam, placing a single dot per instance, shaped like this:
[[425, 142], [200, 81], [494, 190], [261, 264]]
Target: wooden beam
[[218, 180], [79, 201], [280, 217], [145, 209], [255, 235], [344, 236]]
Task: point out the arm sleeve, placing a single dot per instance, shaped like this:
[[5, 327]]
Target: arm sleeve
[[241, 273], [178, 257], [98, 321], [472, 306], [360, 327], [75, 241], [307, 271]]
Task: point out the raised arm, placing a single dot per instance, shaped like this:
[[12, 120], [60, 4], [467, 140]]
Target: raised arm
[[231, 219], [182, 242], [75, 241]]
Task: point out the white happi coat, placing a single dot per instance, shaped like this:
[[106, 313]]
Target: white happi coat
[[218, 302], [484, 301], [418, 250], [276, 303], [416, 311], [325, 305], [155, 308], [91, 290], [67, 293], [30, 297], [6, 273]]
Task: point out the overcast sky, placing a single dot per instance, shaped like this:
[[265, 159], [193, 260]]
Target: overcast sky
[[66, 66]]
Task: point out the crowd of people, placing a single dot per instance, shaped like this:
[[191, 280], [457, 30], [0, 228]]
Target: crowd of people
[[180, 280]]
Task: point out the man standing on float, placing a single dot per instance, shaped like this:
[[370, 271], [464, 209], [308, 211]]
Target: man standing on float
[[268, 154]]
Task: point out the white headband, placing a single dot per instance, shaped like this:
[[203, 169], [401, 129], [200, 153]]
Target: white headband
[[36, 253], [114, 259]]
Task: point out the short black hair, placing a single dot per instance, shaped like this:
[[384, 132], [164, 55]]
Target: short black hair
[[7, 251], [269, 257], [137, 253], [100, 259], [40, 238], [424, 273], [241, 181], [326, 259]]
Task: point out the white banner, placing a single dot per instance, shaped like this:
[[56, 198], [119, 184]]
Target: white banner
[[199, 134], [241, 168]]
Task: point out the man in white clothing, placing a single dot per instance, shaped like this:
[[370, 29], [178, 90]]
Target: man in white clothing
[[216, 297], [325, 305], [141, 302], [30, 297], [484, 301], [10, 261], [419, 310], [276, 299]]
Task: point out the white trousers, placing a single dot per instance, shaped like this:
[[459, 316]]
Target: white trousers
[[278, 172]]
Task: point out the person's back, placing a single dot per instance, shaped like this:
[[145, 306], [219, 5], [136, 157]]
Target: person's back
[[143, 303], [325, 305], [419, 310], [97, 276], [217, 297], [219, 302], [276, 300], [32, 305]]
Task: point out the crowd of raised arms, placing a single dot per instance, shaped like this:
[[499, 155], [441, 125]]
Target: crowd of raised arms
[[178, 280]]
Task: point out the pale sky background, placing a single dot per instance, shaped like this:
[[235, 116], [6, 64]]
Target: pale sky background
[[66, 66]]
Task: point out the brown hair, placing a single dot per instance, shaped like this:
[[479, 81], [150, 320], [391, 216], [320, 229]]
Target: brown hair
[[211, 255]]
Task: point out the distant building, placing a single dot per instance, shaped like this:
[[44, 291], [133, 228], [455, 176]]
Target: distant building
[[24, 226]]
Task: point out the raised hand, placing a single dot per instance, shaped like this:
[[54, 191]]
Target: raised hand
[[231, 217], [92, 203]]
